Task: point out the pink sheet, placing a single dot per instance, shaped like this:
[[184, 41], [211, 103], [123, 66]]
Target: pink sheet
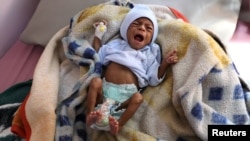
[[17, 65]]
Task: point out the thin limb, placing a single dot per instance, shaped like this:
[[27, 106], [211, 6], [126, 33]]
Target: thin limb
[[94, 97], [132, 105]]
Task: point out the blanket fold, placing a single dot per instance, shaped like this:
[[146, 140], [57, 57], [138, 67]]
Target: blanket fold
[[201, 89]]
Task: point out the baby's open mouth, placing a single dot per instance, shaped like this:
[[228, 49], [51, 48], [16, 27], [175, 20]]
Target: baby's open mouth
[[138, 37]]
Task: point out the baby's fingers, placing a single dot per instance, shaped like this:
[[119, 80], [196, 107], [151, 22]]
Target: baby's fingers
[[172, 59]]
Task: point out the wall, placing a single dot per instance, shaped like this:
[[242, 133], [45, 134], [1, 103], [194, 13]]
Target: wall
[[14, 16]]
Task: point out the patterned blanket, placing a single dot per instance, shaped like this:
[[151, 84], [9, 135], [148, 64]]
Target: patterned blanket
[[10, 100], [203, 88]]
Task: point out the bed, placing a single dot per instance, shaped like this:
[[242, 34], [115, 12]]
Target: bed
[[31, 74]]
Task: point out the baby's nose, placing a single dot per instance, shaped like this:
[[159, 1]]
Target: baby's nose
[[142, 27]]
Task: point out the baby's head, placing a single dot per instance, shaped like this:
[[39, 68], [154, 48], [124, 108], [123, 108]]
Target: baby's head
[[139, 27]]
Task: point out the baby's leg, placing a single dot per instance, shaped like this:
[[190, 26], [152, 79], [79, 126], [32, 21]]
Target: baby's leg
[[131, 106], [94, 97]]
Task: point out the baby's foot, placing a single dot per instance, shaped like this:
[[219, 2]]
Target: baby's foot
[[114, 125], [93, 117]]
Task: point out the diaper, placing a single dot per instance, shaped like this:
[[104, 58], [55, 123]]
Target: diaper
[[114, 95], [119, 93]]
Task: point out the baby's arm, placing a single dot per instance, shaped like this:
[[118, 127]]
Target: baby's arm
[[168, 58], [97, 43], [100, 30]]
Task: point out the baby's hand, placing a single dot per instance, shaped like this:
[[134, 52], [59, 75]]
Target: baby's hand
[[171, 57], [100, 28]]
